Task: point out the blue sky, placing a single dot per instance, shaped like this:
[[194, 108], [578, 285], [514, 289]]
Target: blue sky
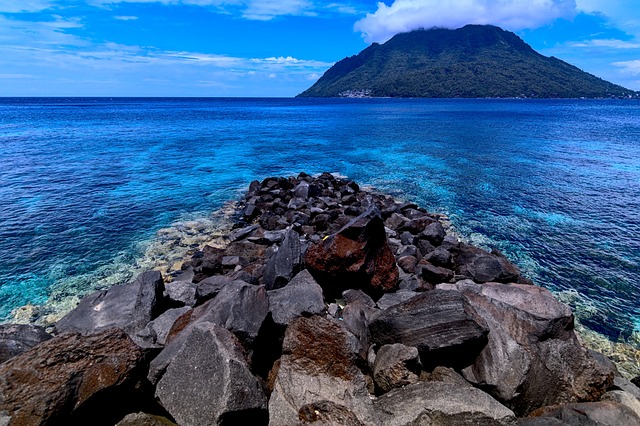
[[270, 47]]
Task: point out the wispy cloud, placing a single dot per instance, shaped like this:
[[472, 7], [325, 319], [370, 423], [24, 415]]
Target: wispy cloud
[[607, 43], [19, 6], [629, 67], [125, 18], [407, 15]]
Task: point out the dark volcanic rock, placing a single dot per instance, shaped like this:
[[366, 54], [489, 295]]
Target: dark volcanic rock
[[208, 381], [156, 332], [434, 233], [285, 263], [533, 357], [636, 381], [144, 419], [441, 324], [358, 256], [319, 363], [70, 379], [18, 338], [483, 267], [434, 274], [182, 292], [395, 366], [301, 296], [129, 307], [435, 403], [239, 307], [206, 263]]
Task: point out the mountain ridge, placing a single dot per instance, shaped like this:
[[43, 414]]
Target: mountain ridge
[[475, 61]]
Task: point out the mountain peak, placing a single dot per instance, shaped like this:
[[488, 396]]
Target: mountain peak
[[469, 62]]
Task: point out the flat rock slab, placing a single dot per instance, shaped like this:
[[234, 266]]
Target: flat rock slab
[[18, 338], [436, 403], [68, 379], [441, 324], [129, 307], [208, 381]]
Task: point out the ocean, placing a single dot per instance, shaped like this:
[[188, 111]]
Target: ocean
[[94, 190]]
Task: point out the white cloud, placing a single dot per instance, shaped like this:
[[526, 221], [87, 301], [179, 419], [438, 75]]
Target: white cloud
[[408, 15], [18, 6], [268, 9], [125, 18], [629, 67], [608, 43], [622, 13]]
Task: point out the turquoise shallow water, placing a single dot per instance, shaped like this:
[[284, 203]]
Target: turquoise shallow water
[[85, 184]]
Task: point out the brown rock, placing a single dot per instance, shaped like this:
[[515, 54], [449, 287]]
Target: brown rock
[[357, 256], [73, 379]]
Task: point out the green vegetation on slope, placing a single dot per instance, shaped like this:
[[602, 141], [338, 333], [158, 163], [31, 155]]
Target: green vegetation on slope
[[473, 61]]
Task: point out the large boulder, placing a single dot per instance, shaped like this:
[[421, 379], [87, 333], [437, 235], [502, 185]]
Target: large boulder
[[18, 338], [156, 332], [73, 379], [602, 413], [239, 307], [129, 307], [285, 263], [357, 256], [208, 381], [319, 363], [482, 266], [302, 296], [441, 324], [440, 404], [533, 357]]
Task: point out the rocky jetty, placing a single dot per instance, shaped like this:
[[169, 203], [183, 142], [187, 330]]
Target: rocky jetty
[[329, 305]]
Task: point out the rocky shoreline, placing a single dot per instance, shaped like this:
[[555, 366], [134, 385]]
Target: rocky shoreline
[[328, 304]]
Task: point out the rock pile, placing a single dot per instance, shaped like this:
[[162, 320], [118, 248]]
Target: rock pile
[[330, 305]]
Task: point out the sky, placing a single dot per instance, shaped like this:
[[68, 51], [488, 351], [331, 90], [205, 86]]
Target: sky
[[267, 48]]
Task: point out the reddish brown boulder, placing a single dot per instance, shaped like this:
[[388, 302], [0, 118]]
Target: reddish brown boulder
[[357, 256], [72, 379]]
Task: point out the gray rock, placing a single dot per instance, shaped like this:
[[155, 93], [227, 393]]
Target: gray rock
[[603, 413], [395, 366], [144, 419], [620, 383], [434, 233], [441, 324], [408, 264], [156, 331], [302, 190], [435, 403], [181, 291], [444, 375], [240, 234], [624, 398], [392, 299], [239, 307], [533, 357], [284, 264], [358, 296], [129, 307], [433, 274], [319, 363], [439, 257], [18, 338], [208, 381], [210, 287], [302, 296], [483, 267]]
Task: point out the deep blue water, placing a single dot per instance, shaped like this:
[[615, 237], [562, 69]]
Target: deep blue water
[[555, 184]]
